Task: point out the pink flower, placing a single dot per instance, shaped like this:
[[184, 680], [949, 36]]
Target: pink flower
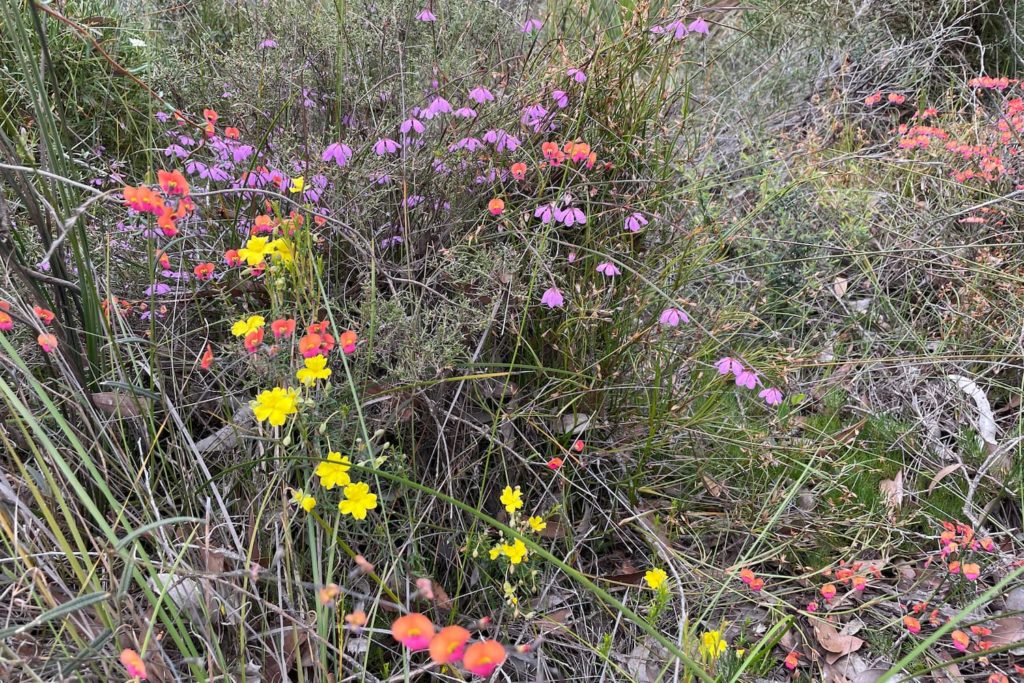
[[728, 365], [570, 216], [438, 105], [426, 15], [698, 25], [552, 298], [576, 75], [385, 146], [532, 25], [746, 378], [635, 221], [571, 258], [671, 317], [676, 28], [412, 124], [480, 94], [561, 99], [544, 212], [771, 396], [338, 152], [608, 269], [465, 113]]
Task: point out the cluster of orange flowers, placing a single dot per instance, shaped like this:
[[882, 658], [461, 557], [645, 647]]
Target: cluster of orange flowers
[[144, 199], [574, 151], [47, 341], [449, 645]]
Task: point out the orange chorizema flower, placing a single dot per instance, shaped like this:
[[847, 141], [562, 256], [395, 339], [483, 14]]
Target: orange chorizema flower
[[283, 328], [518, 170], [47, 342], [912, 624], [6, 322], [484, 657], [143, 199], [348, 342], [232, 258], [44, 314], [746, 575], [496, 206], [414, 631], [859, 582], [172, 183], [253, 340], [792, 660], [449, 644], [555, 463], [356, 620], [317, 342], [828, 591], [133, 664], [206, 362], [231, 133], [328, 593], [203, 271], [971, 571], [960, 640]]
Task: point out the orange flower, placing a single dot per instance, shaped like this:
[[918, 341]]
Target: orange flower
[[328, 593], [792, 660], [971, 571], [960, 640], [210, 115], [172, 183], [262, 224], [954, 567], [912, 624], [828, 591], [859, 582], [317, 342], [207, 360], [414, 631], [356, 620], [484, 657], [6, 323], [143, 199], [746, 575], [253, 340], [348, 342], [555, 463], [232, 258], [496, 206], [283, 328], [162, 259], [449, 645], [518, 170], [757, 584], [204, 271], [550, 150], [133, 663], [231, 133], [47, 342], [44, 314]]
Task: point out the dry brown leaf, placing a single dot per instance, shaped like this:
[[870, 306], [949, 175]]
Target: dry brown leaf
[[1008, 631], [892, 491], [949, 673], [118, 405], [713, 487], [942, 474], [833, 641], [839, 287]]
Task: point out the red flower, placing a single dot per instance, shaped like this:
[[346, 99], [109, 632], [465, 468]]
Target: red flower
[[207, 360], [44, 314], [283, 328], [204, 271]]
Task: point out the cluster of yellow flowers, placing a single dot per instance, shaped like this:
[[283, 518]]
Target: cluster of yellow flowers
[[334, 472], [258, 250], [516, 552]]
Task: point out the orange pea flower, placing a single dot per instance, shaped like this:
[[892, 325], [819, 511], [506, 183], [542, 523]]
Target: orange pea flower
[[232, 258], [356, 620], [757, 584], [792, 660], [6, 323], [496, 206], [133, 664], [555, 463], [348, 342], [231, 133], [449, 644], [746, 575], [971, 571], [828, 591], [960, 640], [172, 183], [206, 362], [210, 115], [47, 342], [414, 631], [859, 582], [283, 327], [912, 624], [44, 314], [203, 271], [518, 170], [484, 657], [253, 340]]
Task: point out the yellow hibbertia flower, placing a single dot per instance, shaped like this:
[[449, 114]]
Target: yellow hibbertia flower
[[282, 249], [243, 327], [298, 184], [655, 578], [276, 405], [358, 500], [255, 251], [512, 499], [333, 471], [537, 524], [712, 645], [305, 502], [316, 368]]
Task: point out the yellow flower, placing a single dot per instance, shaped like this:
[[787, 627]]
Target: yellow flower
[[495, 552], [516, 552], [316, 368], [537, 524], [255, 250], [305, 502], [358, 500], [655, 578], [512, 500], [243, 327], [712, 645], [276, 405], [333, 471], [298, 183], [282, 249]]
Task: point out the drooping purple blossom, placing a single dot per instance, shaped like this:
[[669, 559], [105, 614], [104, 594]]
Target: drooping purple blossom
[[469, 144], [570, 216], [561, 98], [576, 75], [544, 212], [465, 113], [531, 25], [772, 396], [269, 43], [502, 140], [746, 378], [338, 152], [728, 365], [385, 146], [698, 25], [426, 16], [176, 151], [635, 221], [437, 106], [671, 317], [608, 269], [159, 289], [412, 124], [552, 298], [480, 94]]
